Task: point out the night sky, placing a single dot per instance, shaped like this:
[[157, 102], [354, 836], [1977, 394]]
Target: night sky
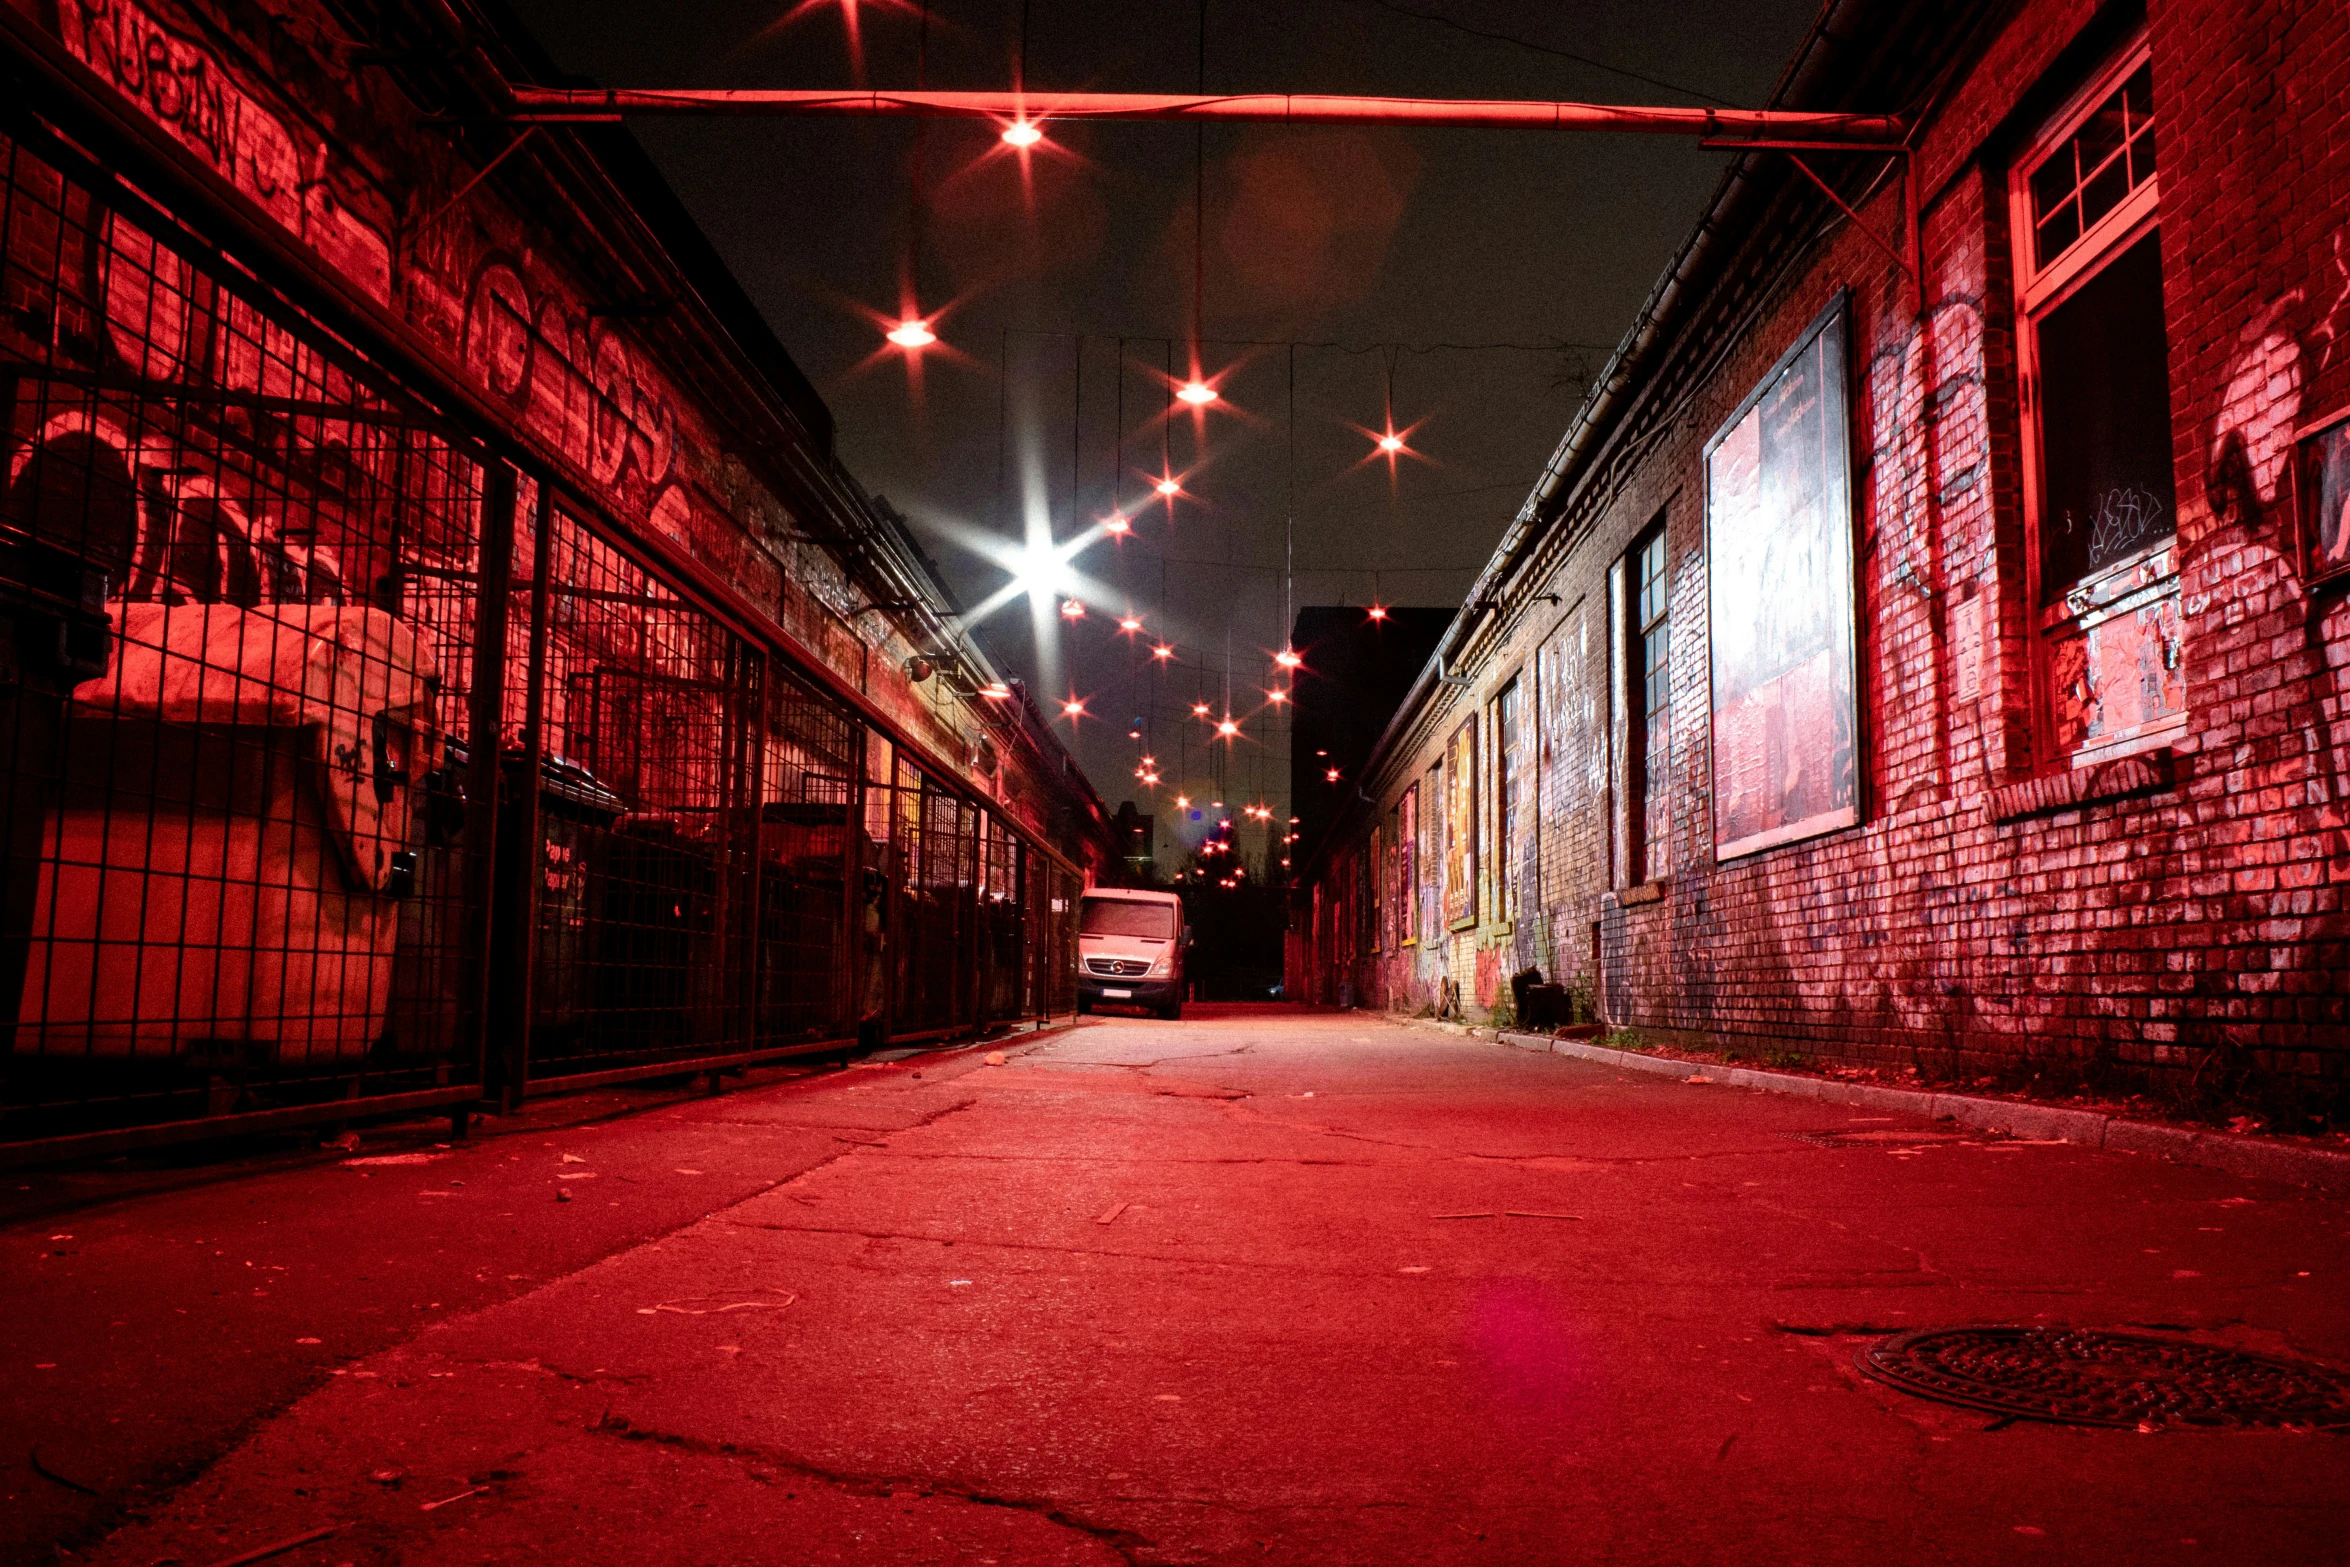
[[1483, 274]]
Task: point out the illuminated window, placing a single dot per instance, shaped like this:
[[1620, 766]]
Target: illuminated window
[[2100, 506], [1650, 707]]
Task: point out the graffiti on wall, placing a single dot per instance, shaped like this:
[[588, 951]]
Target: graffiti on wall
[[572, 378], [291, 173]]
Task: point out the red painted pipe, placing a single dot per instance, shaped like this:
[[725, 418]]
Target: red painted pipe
[[611, 103]]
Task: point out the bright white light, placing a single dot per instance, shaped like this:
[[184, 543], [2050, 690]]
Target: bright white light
[[1287, 659], [911, 333], [1162, 651], [998, 692], [1130, 624], [1378, 612], [1073, 709], [1169, 487], [1183, 802], [1072, 610], [1197, 393], [1022, 133], [1277, 697], [1117, 525], [1199, 709], [1332, 775], [1227, 728], [1391, 443]]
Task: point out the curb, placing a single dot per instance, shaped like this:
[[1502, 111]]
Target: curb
[[2252, 1158]]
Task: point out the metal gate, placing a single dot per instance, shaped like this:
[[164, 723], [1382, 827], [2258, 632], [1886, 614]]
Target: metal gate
[[280, 849], [630, 823], [241, 584]]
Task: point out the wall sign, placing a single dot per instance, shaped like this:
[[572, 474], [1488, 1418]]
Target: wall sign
[[2322, 476], [1778, 522]]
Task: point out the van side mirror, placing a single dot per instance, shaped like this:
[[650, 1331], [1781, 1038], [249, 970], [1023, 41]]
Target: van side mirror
[[1187, 935]]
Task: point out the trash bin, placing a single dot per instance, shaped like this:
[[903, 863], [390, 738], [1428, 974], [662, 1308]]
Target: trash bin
[[223, 860], [576, 813], [657, 967], [53, 635]]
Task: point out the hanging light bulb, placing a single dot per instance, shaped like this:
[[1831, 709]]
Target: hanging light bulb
[[911, 334], [1288, 658], [1130, 625], [1022, 133], [1117, 525], [1073, 708], [1071, 609], [1276, 696], [1378, 612], [1391, 443], [1199, 709], [1196, 392], [1168, 487], [1331, 774], [1183, 802], [1227, 728], [1162, 651]]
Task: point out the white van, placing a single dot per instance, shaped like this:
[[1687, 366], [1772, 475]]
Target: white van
[[1130, 947]]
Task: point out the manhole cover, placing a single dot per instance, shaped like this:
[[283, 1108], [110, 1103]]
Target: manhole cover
[[2087, 1376]]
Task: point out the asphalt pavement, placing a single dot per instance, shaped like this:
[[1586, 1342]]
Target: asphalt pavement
[[1256, 1286]]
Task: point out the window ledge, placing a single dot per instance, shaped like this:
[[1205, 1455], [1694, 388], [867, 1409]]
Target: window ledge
[[2146, 772], [1640, 892]]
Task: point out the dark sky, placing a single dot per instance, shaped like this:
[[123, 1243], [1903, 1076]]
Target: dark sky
[[1486, 272]]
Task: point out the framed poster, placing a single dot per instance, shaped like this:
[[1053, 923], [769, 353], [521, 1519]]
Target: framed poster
[[2321, 478], [1460, 824], [1778, 524]]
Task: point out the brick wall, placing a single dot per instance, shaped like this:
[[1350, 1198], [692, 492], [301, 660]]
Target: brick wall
[[2173, 913]]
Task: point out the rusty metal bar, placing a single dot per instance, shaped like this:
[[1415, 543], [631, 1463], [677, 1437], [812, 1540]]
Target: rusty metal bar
[[130, 1139], [556, 105]]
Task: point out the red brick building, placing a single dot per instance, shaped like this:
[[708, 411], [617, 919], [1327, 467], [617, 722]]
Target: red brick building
[[1927, 643], [445, 654]]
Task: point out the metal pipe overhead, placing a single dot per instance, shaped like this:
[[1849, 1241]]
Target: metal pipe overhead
[[591, 104]]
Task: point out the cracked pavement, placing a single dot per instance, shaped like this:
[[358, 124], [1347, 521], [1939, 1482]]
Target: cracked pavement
[[1252, 1287]]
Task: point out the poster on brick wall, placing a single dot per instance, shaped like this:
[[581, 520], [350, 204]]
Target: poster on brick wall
[[1460, 824], [1778, 520]]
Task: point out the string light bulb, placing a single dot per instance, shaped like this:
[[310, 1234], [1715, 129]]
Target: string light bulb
[[1199, 709], [1196, 392], [1162, 651], [911, 334], [1071, 609], [1022, 133], [1391, 443], [1117, 525], [1288, 658], [1073, 708], [1168, 487], [1276, 696], [1227, 728], [1378, 612]]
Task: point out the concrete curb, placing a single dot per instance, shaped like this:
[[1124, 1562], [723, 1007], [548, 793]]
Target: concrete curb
[[2251, 1157]]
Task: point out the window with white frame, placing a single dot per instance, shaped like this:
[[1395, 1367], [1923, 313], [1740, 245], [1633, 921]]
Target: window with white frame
[[2100, 504]]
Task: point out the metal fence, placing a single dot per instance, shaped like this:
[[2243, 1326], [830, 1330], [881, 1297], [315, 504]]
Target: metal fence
[[281, 848]]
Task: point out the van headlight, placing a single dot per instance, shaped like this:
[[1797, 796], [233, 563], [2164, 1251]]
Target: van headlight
[[1158, 970]]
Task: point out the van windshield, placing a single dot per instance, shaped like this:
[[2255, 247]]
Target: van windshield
[[1119, 917]]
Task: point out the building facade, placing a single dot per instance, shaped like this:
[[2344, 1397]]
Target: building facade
[[1926, 645], [446, 654]]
